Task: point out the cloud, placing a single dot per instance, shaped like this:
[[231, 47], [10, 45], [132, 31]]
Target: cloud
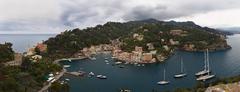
[[48, 15]]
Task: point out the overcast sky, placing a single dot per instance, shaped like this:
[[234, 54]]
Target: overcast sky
[[54, 16]]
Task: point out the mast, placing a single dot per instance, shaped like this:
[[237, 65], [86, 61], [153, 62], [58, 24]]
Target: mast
[[208, 60], [205, 61], [164, 74], [181, 65]]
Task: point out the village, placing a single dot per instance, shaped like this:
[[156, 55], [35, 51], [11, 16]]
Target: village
[[138, 55]]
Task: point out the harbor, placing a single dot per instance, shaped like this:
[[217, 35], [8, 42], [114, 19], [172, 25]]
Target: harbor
[[132, 76]]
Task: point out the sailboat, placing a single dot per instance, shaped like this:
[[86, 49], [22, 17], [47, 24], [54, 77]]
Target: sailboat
[[208, 76], [181, 74], [205, 71], [163, 82]]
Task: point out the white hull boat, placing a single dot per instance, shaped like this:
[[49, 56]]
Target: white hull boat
[[182, 74], [163, 82]]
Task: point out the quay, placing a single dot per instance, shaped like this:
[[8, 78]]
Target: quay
[[79, 73], [70, 59]]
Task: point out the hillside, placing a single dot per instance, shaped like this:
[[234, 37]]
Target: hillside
[[161, 36], [6, 52]]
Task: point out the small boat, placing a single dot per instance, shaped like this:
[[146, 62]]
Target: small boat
[[203, 72], [163, 82], [121, 66], [181, 74], [91, 74], [67, 79], [101, 77], [113, 57], [106, 61], [69, 60], [117, 63], [66, 66], [126, 63], [205, 77], [93, 58], [138, 64], [106, 58], [125, 90]]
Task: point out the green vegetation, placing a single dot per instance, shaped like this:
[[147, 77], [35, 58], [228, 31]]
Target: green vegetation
[[29, 77], [6, 52], [58, 87], [71, 41]]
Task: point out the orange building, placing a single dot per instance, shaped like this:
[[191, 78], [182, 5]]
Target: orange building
[[42, 47]]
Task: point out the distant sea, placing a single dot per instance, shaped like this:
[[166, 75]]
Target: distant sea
[[21, 42]]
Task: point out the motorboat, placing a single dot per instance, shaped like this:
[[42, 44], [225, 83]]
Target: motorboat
[[91, 74], [66, 66], [101, 77]]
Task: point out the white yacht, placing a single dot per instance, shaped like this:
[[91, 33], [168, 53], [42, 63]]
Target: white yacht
[[117, 63], [91, 74], [106, 61], [93, 58], [69, 60], [101, 77], [163, 82], [66, 66], [205, 71], [181, 74], [208, 76]]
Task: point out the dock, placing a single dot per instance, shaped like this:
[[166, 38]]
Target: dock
[[70, 59], [79, 73]]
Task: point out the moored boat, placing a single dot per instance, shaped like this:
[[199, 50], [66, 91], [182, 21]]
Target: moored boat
[[101, 77], [181, 74], [66, 66], [208, 76], [163, 82]]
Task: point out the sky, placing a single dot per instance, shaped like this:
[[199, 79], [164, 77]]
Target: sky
[[55, 16]]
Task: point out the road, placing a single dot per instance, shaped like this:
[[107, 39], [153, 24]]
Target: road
[[17, 60], [45, 88]]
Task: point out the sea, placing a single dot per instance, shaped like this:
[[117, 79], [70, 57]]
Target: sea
[[139, 78]]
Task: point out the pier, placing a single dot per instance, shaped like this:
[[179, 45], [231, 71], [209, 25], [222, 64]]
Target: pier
[[70, 59], [79, 73]]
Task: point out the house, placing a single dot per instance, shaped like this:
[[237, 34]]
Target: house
[[138, 49], [136, 56], [172, 42], [189, 47], [150, 46], [31, 51], [138, 36], [36, 58], [166, 47], [176, 32], [42, 47], [145, 30], [147, 57]]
